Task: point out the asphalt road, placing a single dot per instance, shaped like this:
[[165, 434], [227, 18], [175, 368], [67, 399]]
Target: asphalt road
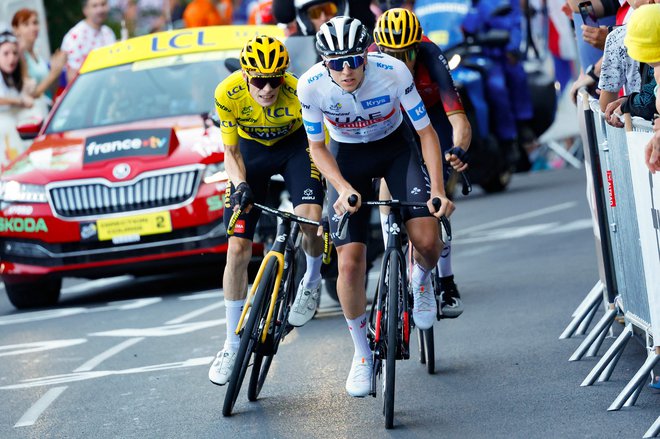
[[128, 358]]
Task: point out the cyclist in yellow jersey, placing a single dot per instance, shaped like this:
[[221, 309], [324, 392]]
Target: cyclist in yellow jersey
[[261, 120]]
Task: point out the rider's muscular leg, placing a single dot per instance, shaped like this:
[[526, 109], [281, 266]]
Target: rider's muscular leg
[[235, 279], [312, 244], [423, 233], [352, 261]]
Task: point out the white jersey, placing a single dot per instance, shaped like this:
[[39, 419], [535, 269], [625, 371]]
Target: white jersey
[[367, 114]]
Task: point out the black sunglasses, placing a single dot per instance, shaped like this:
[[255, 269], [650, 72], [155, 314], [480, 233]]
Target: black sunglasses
[[405, 55], [337, 64], [261, 81]]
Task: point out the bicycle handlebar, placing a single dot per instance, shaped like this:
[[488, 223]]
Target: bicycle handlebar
[[327, 245]]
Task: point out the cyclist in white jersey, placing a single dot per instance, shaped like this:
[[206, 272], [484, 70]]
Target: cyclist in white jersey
[[358, 97]]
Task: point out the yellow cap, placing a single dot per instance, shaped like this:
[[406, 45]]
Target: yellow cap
[[643, 34]]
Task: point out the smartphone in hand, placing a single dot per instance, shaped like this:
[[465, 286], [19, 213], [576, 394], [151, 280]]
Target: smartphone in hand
[[588, 14]]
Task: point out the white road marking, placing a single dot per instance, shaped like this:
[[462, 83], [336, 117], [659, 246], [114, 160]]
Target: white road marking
[[524, 231], [515, 218], [33, 413], [211, 294], [95, 361], [193, 314], [82, 376], [123, 305], [38, 346], [86, 286], [160, 331]]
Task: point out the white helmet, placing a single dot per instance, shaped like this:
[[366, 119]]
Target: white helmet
[[342, 36]]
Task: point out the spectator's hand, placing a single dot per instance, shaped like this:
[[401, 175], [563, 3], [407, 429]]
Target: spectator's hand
[[582, 81], [27, 101], [652, 153], [595, 36], [656, 124], [58, 61], [613, 113]]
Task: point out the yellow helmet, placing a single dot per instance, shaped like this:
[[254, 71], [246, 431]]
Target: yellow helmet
[[265, 55], [397, 28]]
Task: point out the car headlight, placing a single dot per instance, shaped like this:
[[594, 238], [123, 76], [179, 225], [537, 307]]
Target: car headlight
[[13, 191], [215, 173]]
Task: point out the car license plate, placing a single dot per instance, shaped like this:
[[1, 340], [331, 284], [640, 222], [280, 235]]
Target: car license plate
[[147, 224]]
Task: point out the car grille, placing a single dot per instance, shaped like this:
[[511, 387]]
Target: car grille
[[84, 199]]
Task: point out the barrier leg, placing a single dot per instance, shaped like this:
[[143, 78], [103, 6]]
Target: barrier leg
[[601, 328], [595, 292], [607, 373], [592, 304], [638, 380], [633, 398], [595, 346], [654, 429], [582, 329]]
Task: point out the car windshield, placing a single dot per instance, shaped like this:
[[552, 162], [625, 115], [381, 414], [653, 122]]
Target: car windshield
[[162, 87]]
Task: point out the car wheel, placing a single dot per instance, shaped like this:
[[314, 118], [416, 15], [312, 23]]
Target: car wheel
[[34, 294]]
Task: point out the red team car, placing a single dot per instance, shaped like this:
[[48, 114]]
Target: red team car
[[126, 175]]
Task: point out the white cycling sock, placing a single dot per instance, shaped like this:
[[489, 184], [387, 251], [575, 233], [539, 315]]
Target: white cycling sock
[[444, 263], [383, 227], [419, 276], [233, 311], [312, 276], [358, 329]]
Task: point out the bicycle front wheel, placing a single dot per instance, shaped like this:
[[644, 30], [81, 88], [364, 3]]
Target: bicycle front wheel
[[395, 288], [249, 340]]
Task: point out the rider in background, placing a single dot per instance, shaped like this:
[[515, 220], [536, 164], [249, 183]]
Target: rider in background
[[261, 125], [358, 97], [398, 33], [311, 14]]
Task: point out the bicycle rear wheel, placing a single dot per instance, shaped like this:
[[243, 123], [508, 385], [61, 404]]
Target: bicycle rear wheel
[[249, 340], [395, 288]]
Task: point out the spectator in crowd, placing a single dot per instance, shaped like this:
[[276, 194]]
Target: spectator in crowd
[[643, 43], [208, 13], [261, 12], [88, 34], [141, 16], [25, 24], [14, 97], [561, 42], [311, 14]]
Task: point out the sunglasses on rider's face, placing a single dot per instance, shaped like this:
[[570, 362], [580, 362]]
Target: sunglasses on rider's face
[[7, 37], [261, 81], [402, 55], [329, 9], [337, 64]]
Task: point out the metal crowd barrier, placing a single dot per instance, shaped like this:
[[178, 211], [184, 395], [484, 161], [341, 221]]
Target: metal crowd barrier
[[625, 202]]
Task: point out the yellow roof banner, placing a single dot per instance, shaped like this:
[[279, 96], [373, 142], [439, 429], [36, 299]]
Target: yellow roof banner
[[175, 42]]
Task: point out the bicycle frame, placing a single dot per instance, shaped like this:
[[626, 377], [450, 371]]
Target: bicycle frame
[[286, 233]]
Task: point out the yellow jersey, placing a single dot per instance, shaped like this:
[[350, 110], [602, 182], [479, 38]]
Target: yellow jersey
[[241, 115]]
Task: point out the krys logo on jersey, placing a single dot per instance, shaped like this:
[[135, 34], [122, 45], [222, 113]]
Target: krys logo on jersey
[[129, 143]]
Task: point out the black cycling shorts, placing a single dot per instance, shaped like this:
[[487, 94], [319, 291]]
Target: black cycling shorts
[[442, 126], [395, 158], [288, 157]]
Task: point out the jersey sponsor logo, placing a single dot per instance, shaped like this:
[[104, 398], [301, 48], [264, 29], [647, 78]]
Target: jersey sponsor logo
[[278, 112], [384, 66], [305, 106], [313, 127], [289, 89], [127, 143], [418, 112], [380, 100], [239, 227], [220, 106], [410, 88], [314, 78], [267, 133], [227, 124], [308, 194], [181, 40], [246, 110], [235, 90], [335, 107], [361, 122]]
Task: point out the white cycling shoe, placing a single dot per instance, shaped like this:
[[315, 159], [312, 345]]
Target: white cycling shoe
[[222, 366], [305, 304], [424, 307], [358, 383]]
